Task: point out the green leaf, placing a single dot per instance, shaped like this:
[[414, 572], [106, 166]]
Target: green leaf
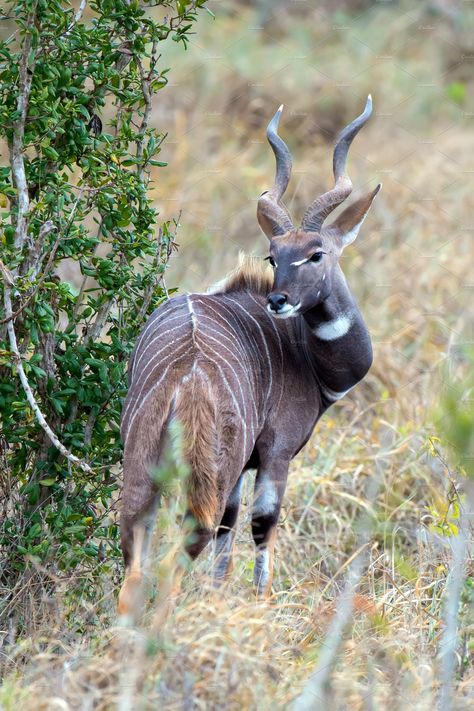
[[50, 153]]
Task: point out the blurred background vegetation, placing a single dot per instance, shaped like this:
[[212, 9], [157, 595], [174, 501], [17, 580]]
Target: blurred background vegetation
[[411, 271]]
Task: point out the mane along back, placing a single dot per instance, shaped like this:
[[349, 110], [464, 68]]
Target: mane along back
[[251, 274]]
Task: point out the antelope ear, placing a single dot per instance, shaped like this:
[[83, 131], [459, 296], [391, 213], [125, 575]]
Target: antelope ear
[[346, 227]]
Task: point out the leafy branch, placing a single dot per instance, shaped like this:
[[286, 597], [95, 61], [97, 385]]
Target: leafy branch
[[83, 260]]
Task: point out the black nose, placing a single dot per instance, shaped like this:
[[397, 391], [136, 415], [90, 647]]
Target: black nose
[[277, 301]]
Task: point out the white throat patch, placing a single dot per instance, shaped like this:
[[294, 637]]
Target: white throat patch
[[336, 328]]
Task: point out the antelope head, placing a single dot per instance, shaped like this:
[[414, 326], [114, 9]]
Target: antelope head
[[305, 259]]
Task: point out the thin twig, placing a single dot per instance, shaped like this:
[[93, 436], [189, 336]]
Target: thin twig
[[40, 281], [160, 278], [99, 322], [316, 690], [454, 585], [145, 81], [317, 686], [35, 261]]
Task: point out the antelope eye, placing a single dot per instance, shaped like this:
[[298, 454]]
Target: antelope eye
[[316, 257]]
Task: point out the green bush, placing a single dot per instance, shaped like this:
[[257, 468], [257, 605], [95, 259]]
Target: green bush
[[76, 90]]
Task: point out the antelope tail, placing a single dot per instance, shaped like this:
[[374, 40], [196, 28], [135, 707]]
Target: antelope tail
[[195, 410]]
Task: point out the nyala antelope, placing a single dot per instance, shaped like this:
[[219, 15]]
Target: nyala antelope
[[247, 369]]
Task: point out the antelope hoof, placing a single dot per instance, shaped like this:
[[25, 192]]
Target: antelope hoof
[[263, 585], [264, 592]]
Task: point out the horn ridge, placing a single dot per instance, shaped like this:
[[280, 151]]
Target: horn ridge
[[346, 137], [320, 208], [282, 156], [272, 215]]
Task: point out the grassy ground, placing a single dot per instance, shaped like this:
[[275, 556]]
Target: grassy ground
[[411, 270]]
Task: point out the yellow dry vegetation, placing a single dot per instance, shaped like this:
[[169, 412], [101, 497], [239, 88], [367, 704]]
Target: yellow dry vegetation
[[411, 270]]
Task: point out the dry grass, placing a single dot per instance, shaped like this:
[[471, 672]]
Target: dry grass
[[411, 271]]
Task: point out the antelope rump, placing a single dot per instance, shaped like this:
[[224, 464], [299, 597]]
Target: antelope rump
[[247, 370]]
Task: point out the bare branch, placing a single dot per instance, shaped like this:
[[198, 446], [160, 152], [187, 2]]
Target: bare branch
[[100, 321], [28, 391], [36, 288], [34, 258], [77, 17], [16, 149], [7, 276], [80, 12], [145, 84]]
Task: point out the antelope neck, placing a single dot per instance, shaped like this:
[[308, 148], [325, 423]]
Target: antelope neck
[[334, 341], [333, 317]]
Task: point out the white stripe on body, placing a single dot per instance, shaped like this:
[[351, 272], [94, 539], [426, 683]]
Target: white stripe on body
[[232, 340], [252, 351], [154, 323], [192, 313], [234, 399], [272, 323], [150, 391], [152, 359], [244, 399], [157, 337], [280, 346], [234, 333], [270, 369], [236, 317], [239, 411]]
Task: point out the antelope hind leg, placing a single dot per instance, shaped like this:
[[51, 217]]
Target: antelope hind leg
[[130, 600], [270, 484], [264, 560], [173, 570], [225, 536]]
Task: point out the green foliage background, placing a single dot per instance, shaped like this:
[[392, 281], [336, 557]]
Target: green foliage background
[[87, 146]]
